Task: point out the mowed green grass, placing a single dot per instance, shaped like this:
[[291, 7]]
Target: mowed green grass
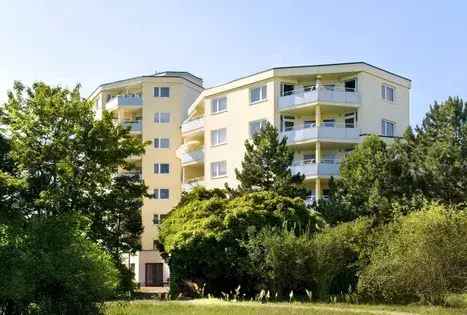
[[218, 307]]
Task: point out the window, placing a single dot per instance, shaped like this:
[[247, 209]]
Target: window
[[287, 123], [162, 217], [256, 126], [219, 105], [161, 118], [309, 158], [350, 85], [387, 93], [161, 92], [309, 124], [218, 169], [387, 128], [132, 267], [287, 89], [218, 136], [161, 168], [329, 87], [258, 94], [161, 193], [155, 219], [329, 122], [161, 143]]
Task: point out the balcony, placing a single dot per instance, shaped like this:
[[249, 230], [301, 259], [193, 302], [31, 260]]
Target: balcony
[[135, 126], [311, 169], [326, 132], [188, 185], [192, 126], [133, 173], [127, 101], [311, 95], [192, 157]]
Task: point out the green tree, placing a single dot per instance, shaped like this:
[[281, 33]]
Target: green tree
[[66, 161], [266, 166], [203, 227], [50, 266]]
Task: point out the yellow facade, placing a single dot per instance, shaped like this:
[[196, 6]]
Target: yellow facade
[[323, 110], [133, 102]]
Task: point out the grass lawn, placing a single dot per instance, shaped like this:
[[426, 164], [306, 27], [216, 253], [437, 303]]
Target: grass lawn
[[218, 307]]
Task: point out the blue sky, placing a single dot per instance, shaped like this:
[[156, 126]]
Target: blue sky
[[91, 42]]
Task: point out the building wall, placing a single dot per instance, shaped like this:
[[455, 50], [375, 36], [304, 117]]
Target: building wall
[[236, 119]]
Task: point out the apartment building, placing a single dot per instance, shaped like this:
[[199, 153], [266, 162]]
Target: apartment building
[[198, 134], [154, 107], [323, 110]]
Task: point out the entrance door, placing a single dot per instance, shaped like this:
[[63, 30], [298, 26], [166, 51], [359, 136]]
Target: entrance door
[[154, 275]]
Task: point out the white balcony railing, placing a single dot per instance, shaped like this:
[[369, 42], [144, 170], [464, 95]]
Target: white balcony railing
[[137, 173], [321, 94], [327, 131], [192, 183], [135, 126], [309, 168], [193, 125], [124, 100], [192, 157]]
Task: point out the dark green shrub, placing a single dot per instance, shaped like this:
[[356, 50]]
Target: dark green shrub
[[202, 237], [421, 257]]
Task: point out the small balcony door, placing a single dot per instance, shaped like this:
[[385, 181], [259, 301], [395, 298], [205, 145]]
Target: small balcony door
[[287, 123], [350, 120], [154, 275]]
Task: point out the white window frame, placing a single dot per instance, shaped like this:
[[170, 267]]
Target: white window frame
[[216, 105], [384, 92], [216, 168], [157, 91], [384, 128], [158, 195], [159, 141], [157, 168], [263, 94], [158, 117], [216, 137], [262, 123]]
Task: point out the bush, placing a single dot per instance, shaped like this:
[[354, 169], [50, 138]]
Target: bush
[[421, 257], [340, 253], [61, 271], [282, 262], [207, 225]]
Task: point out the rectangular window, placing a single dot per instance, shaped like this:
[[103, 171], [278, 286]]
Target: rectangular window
[[161, 143], [161, 168], [258, 94], [309, 158], [161, 118], [158, 218], [256, 126], [161, 92], [387, 93], [219, 105], [387, 128], [309, 124], [155, 219], [329, 123], [218, 169], [218, 136], [161, 193]]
